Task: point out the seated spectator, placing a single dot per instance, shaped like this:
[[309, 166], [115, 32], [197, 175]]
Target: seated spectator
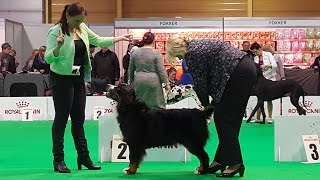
[[13, 53], [13, 64], [39, 64], [6, 48], [172, 73], [29, 62], [186, 77], [7, 62]]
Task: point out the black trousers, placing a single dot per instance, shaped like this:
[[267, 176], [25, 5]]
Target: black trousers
[[69, 97], [228, 114]]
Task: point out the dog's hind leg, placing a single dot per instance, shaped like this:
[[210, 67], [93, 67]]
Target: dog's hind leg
[[294, 98], [202, 155], [263, 113], [253, 112], [136, 156]]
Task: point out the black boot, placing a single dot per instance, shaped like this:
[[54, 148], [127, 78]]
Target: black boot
[[61, 167], [87, 162]]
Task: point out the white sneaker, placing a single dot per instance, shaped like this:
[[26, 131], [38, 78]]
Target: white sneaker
[[269, 120], [256, 121]]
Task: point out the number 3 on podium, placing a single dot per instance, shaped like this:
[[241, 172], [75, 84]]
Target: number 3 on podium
[[315, 153], [311, 146]]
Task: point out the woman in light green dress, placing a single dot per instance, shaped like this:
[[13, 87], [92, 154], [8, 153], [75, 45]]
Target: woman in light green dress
[[147, 73]]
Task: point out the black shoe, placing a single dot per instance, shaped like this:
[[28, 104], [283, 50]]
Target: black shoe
[[61, 167], [214, 169], [87, 163], [240, 170]]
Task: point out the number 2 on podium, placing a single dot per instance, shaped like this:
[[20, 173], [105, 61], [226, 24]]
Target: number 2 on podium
[[123, 147]]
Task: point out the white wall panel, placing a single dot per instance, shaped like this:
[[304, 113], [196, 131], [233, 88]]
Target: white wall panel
[[34, 36], [22, 5], [14, 36], [103, 30], [9, 32], [2, 31], [37, 34], [22, 10], [18, 43], [22, 17]]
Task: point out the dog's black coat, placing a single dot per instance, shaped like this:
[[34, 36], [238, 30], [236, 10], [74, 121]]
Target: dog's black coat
[[267, 90], [143, 128]]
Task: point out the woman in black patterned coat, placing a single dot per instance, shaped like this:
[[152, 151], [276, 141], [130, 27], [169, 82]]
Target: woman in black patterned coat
[[227, 75]]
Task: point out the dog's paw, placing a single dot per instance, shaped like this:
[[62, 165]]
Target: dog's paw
[[127, 172], [197, 171]]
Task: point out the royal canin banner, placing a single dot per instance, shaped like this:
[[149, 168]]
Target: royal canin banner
[[312, 105], [11, 107]]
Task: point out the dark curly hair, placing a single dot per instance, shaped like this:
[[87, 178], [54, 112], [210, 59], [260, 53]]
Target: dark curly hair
[[148, 38], [255, 45]]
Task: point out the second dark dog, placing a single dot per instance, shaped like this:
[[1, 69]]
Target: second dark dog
[[143, 128], [267, 90]]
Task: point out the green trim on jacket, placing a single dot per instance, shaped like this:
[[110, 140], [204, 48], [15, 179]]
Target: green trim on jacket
[[63, 63]]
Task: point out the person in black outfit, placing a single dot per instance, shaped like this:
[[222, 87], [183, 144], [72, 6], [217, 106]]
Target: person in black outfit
[[125, 63], [227, 75], [105, 70], [92, 48], [246, 48], [70, 70]]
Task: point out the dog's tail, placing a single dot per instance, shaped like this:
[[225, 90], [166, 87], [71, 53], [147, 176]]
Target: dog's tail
[[208, 111]]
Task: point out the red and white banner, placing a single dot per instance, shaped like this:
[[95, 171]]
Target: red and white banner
[[11, 107], [312, 104], [43, 108]]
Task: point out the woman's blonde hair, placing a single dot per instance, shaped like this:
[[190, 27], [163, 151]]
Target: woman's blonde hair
[[268, 48], [176, 47]]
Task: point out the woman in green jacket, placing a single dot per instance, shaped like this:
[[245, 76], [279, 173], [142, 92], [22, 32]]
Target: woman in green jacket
[[70, 70]]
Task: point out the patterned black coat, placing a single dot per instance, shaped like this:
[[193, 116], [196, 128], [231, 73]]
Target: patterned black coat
[[211, 64]]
